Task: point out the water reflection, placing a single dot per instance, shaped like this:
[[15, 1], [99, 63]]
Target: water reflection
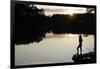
[[52, 49]]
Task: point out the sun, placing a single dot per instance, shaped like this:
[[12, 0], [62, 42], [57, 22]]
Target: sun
[[71, 14]]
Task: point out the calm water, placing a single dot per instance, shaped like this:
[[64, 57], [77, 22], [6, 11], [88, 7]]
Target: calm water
[[52, 49]]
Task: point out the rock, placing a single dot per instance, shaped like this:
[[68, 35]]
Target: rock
[[84, 58]]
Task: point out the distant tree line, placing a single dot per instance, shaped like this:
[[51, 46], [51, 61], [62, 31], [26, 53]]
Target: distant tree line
[[78, 23], [31, 23]]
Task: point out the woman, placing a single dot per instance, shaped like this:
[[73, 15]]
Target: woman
[[80, 44]]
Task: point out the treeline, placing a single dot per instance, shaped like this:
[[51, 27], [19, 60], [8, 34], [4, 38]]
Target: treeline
[[77, 23], [31, 23]]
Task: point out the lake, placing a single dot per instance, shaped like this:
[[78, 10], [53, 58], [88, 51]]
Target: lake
[[52, 49]]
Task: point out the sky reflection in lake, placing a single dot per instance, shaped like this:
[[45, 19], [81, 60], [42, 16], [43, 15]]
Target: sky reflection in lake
[[52, 49]]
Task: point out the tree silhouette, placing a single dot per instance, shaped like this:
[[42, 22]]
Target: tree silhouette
[[81, 23], [31, 23]]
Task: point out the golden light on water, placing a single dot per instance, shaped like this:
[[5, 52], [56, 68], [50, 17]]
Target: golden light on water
[[70, 35]]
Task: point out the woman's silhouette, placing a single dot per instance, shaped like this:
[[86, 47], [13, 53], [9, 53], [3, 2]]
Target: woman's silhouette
[[80, 44]]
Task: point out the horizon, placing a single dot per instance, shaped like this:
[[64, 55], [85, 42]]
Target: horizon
[[50, 10]]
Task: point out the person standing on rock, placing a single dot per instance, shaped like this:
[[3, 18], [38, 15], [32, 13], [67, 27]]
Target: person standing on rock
[[80, 44]]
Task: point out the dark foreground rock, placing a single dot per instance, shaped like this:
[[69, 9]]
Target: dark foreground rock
[[84, 58]]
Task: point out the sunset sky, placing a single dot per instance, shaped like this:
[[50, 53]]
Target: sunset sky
[[49, 10]]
